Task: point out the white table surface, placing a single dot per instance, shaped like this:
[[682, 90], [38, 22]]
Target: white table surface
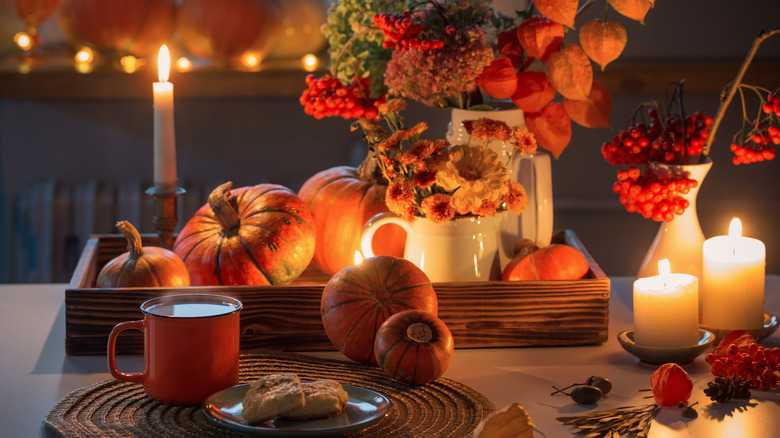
[[35, 373]]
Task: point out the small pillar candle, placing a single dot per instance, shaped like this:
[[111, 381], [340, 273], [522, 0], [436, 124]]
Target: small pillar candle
[[164, 138], [733, 275], [666, 309]]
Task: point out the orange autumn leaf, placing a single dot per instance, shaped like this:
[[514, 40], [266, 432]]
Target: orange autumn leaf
[[534, 91], [633, 9], [559, 11], [552, 128], [593, 113], [499, 78], [671, 385], [603, 41], [540, 37], [570, 72]]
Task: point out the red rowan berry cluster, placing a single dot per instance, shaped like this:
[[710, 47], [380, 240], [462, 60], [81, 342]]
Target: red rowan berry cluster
[[658, 140], [753, 362], [652, 196], [763, 136], [402, 33], [328, 97]]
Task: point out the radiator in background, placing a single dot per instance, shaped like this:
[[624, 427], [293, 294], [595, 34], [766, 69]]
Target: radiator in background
[[52, 221]]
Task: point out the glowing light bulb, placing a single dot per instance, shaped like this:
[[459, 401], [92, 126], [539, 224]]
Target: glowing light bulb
[[183, 64], [23, 40], [84, 56], [129, 63], [309, 62], [250, 60]]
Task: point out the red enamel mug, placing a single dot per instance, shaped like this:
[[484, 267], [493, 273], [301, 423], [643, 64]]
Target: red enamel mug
[[191, 347]]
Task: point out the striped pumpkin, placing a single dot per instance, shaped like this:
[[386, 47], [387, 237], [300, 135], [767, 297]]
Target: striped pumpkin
[[260, 235], [359, 298], [342, 200], [120, 27]]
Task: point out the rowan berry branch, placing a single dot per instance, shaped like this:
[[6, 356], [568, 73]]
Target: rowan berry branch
[[731, 89]]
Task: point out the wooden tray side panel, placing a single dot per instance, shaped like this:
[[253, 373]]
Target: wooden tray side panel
[[479, 314]]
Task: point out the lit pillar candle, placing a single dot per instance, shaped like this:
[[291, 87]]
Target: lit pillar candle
[[732, 286], [666, 309], [164, 138]]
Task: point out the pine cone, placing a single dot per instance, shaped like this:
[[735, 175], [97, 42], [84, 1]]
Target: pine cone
[[724, 389]]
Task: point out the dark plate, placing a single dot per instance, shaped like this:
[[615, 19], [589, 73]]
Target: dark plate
[[364, 408]]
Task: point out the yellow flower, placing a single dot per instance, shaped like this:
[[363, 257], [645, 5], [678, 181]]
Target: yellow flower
[[472, 174]]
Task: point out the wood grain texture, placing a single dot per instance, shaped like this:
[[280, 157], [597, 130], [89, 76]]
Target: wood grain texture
[[479, 314]]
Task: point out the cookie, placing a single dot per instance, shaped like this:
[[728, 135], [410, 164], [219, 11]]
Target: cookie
[[324, 398], [272, 396]]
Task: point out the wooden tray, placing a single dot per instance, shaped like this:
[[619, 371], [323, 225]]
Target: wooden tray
[[479, 314]]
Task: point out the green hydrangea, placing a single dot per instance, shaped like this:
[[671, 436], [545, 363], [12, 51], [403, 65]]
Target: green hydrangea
[[364, 56]]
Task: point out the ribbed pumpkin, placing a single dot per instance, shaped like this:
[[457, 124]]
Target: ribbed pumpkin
[[342, 199], [224, 30], [137, 27], [553, 262], [141, 266], [256, 235], [359, 298], [414, 347]]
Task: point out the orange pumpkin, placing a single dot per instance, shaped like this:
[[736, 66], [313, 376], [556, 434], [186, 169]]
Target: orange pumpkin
[[227, 29], [553, 262], [140, 266], [137, 27], [342, 199], [359, 298], [256, 235], [414, 347]]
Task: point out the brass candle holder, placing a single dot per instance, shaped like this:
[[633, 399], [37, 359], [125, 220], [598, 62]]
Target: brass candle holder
[[166, 215]]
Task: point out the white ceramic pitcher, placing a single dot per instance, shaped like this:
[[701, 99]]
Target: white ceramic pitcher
[[463, 249], [533, 171]]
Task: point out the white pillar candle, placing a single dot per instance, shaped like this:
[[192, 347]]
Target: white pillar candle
[[164, 138], [733, 274], [666, 309]]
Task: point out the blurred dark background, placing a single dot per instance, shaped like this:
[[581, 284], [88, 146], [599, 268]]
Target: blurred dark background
[[87, 149]]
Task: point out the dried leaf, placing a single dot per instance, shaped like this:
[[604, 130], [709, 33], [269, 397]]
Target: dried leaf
[[540, 37], [552, 128], [511, 421], [633, 9], [593, 113], [498, 79], [671, 385], [559, 11], [603, 41], [570, 73], [533, 92], [740, 338]]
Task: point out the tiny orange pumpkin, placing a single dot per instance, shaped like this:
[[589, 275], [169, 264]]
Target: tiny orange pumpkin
[[553, 262]]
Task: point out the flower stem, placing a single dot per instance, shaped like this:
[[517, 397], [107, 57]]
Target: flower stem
[[731, 89]]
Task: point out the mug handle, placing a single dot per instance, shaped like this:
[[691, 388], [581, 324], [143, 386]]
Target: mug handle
[[119, 375], [536, 176], [373, 224]]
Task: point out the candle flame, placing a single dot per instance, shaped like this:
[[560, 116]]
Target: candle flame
[[664, 268], [358, 257], [735, 228], [163, 64]]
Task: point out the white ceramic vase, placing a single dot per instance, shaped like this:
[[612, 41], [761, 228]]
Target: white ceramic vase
[[533, 171], [461, 249], [681, 239]]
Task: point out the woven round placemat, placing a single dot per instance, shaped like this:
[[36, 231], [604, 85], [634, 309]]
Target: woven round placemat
[[113, 408]]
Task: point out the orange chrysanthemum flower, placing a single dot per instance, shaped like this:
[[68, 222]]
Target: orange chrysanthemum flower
[[424, 179], [397, 137], [523, 139], [487, 208], [392, 105], [516, 198], [419, 152], [437, 208], [485, 129], [400, 197]]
